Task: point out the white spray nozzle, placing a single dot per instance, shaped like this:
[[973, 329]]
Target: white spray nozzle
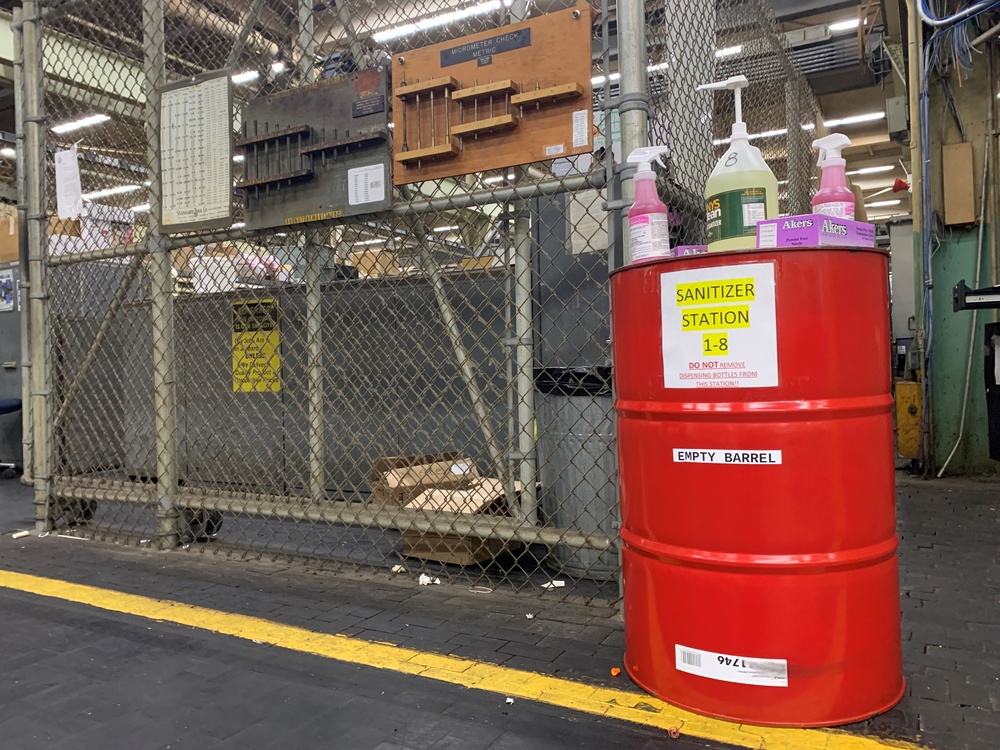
[[645, 157], [736, 84], [830, 146]]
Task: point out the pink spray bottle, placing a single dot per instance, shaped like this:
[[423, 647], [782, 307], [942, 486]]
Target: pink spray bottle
[[833, 198], [648, 218]]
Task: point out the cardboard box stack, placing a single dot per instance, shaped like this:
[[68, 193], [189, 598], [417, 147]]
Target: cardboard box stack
[[440, 483]]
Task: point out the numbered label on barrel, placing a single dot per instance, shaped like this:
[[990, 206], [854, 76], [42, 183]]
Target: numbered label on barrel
[[747, 670], [719, 327]]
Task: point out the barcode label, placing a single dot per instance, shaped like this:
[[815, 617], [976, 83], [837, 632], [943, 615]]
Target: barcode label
[[689, 657], [745, 670]]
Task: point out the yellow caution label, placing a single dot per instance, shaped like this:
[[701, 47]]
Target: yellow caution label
[[709, 292], [256, 346], [716, 318]]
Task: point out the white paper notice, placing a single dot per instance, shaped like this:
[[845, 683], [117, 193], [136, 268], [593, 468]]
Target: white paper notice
[[581, 127], [767, 235], [69, 200], [366, 184], [745, 670], [719, 327], [195, 132]]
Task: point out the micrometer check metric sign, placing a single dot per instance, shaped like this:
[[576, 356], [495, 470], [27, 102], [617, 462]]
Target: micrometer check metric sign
[[719, 327]]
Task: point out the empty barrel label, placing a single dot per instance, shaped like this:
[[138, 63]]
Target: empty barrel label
[[719, 328], [746, 670]]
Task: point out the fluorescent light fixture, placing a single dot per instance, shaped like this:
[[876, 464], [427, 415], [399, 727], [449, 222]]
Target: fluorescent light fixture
[[147, 183], [238, 225], [247, 76], [277, 68], [442, 230], [239, 158], [445, 19], [855, 119], [370, 242], [141, 208], [107, 192], [873, 170], [766, 134], [729, 51], [850, 23], [8, 153], [84, 122], [599, 80], [882, 204], [495, 180]]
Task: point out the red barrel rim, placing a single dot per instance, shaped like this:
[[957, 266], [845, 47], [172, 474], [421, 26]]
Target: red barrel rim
[[735, 253]]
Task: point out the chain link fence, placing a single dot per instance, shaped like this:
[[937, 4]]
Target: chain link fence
[[428, 386]]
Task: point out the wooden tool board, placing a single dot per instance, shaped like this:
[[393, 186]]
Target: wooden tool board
[[513, 95]]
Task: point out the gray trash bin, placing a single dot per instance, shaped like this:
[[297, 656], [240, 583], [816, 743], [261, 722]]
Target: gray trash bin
[[577, 463]]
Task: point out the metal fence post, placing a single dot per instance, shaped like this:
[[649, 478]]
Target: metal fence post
[[164, 380], [22, 247], [524, 336], [37, 217], [633, 99], [315, 257]]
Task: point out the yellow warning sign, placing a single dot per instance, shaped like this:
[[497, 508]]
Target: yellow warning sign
[[723, 290], [256, 346], [716, 318]]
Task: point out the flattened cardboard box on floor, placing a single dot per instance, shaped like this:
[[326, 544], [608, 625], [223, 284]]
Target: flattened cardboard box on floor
[[441, 483]]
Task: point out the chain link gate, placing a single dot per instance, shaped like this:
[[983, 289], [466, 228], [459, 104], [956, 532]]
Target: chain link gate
[[457, 343]]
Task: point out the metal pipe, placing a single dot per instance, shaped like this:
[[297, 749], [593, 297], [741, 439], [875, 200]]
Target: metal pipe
[[988, 34], [202, 17], [340, 512], [83, 23], [315, 255], [466, 367], [22, 252], [594, 179], [979, 268], [104, 253], [121, 294], [346, 18], [246, 26], [632, 91], [35, 188], [306, 41], [162, 297]]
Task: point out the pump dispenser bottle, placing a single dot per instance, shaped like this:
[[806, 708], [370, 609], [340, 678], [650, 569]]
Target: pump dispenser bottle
[[648, 218], [742, 189], [834, 197]]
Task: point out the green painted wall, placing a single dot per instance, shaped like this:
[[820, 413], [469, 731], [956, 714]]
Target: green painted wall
[[954, 260]]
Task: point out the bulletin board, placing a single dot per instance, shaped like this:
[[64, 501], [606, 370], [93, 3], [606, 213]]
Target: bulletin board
[[514, 95]]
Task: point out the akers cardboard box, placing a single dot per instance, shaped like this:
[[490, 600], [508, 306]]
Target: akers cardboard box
[[813, 230], [684, 250], [399, 480]]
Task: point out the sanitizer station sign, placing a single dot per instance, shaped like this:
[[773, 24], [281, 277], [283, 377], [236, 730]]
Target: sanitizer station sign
[[719, 327]]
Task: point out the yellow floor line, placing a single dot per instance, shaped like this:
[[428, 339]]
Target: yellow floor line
[[600, 701]]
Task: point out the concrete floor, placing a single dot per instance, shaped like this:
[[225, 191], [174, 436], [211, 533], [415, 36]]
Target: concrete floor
[[79, 678]]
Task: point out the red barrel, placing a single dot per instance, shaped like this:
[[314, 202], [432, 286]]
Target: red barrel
[[756, 465]]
